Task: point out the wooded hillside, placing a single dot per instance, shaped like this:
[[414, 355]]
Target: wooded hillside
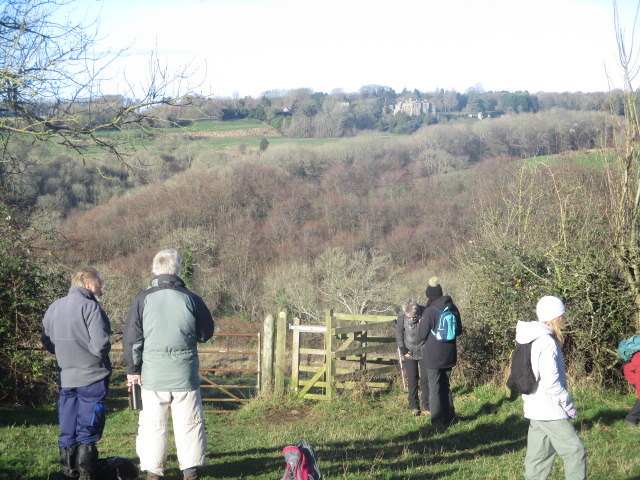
[[359, 226]]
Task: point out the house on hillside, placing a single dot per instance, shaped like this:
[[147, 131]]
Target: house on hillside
[[414, 107]]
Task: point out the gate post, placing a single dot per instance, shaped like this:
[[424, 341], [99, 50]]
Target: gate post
[[295, 358], [330, 361], [267, 353], [281, 350]]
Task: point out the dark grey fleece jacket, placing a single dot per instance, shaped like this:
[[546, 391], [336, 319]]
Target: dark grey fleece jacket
[[77, 331], [407, 335]]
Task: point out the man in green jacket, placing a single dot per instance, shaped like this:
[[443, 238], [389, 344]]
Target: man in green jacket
[[163, 326]]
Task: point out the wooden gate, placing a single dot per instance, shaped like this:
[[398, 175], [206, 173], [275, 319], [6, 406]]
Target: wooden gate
[[221, 384], [240, 391], [356, 350]]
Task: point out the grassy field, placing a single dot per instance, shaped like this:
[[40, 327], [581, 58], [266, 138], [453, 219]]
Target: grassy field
[[358, 436], [218, 126], [591, 158]]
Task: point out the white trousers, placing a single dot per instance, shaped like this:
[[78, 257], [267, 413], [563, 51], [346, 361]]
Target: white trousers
[[188, 430]]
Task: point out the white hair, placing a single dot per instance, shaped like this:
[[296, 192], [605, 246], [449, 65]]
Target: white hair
[[167, 262]]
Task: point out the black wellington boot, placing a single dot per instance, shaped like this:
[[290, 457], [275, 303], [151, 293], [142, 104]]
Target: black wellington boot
[[68, 462], [87, 461]]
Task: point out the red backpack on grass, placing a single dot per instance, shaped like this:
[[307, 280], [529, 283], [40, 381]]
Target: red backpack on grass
[[301, 462]]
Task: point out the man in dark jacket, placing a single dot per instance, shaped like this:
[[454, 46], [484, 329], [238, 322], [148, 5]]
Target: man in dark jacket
[[410, 348], [77, 331], [164, 324], [438, 357]]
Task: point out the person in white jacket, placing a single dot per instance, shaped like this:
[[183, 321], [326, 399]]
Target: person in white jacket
[[550, 407]]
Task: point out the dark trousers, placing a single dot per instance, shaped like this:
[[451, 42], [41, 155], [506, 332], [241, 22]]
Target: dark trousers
[[414, 378], [82, 413], [634, 414], [440, 398]]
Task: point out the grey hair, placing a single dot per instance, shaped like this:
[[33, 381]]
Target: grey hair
[[409, 306], [167, 262]]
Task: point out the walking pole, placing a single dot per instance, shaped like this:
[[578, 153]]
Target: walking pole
[[404, 381]]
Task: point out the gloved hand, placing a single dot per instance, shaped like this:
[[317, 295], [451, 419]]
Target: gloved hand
[[138, 377], [570, 410]]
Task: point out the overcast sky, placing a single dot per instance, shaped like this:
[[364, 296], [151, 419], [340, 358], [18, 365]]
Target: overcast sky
[[247, 47]]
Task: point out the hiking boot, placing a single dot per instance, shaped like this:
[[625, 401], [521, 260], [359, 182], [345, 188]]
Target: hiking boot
[[630, 424], [87, 461], [415, 412], [425, 413], [68, 462], [191, 474]]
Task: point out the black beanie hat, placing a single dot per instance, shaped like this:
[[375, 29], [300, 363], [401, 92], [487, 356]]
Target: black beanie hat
[[434, 290]]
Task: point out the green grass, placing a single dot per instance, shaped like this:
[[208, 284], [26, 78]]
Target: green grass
[[228, 125], [356, 437], [129, 139], [310, 142], [591, 158]]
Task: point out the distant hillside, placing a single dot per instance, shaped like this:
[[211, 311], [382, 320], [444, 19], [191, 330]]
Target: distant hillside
[[359, 224], [244, 213]]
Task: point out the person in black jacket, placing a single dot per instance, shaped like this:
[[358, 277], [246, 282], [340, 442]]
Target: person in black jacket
[[410, 347], [438, 357]]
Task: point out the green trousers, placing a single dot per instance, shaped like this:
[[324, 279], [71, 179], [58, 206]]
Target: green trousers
[[544, 441]]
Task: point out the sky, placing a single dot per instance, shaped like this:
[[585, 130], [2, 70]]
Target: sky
[[247, 47]]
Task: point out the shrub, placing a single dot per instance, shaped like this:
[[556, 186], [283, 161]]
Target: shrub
[[546, 236], [27, 284]]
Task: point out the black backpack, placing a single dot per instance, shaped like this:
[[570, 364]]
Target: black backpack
[[521, 378], [115, 468]]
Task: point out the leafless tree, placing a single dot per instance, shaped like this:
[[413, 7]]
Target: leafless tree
[[625, 171], [50, 85]]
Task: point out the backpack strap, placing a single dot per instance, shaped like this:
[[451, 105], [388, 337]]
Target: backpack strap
[[440, 313]]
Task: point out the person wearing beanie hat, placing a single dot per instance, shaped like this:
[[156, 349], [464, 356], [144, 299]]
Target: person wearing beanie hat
[[438, 358], [549, 407], [549, 308], [434, 290]]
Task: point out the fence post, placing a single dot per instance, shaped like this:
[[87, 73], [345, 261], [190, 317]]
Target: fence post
[[329, 360], [267, 353], [281, 349]]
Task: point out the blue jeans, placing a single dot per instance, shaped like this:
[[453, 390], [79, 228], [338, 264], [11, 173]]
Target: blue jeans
[[82, 413]]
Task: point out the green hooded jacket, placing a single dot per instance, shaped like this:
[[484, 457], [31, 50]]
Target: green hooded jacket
[[162, 329]]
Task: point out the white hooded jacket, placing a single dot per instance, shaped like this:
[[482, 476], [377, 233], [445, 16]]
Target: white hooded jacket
[[551, 401]]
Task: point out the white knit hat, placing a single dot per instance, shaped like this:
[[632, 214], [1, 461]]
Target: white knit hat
[[549, 308]]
